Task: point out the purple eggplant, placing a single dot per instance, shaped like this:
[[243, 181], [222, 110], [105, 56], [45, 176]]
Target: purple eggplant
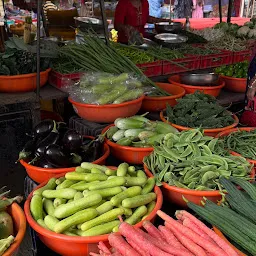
[[44, 128], [72, 141], [52, 138], [55, 155]]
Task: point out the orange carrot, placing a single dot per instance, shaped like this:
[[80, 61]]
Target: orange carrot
[[170, 238], [205, 244], [132, 233], [136, 246], [152, 230], [123, 247], [220, 242], [165, 246]]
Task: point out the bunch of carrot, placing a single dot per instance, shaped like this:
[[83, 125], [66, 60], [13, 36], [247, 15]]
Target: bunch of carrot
[[186, 236]]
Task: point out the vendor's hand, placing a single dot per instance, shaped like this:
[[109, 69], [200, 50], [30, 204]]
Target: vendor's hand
[[129, 30], [251, 93]]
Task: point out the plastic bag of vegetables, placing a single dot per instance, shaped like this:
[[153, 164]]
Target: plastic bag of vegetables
[[104, 88]]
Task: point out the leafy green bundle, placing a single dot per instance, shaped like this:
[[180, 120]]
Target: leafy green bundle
[[20, 58], [199, 110]]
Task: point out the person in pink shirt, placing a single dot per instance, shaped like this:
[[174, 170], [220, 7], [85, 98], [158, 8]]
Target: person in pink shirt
[[198, 6]]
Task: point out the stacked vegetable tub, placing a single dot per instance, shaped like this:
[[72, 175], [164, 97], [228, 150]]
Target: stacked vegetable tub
[[195, 158]]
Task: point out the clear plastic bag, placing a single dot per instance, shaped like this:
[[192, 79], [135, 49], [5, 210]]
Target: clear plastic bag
[[103, 88]]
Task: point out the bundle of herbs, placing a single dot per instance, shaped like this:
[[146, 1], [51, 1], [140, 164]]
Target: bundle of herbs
[[199, 110], [20, 58]]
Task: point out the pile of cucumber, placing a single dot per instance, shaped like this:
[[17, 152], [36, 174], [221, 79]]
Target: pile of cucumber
[[90, 200], [138, 131]]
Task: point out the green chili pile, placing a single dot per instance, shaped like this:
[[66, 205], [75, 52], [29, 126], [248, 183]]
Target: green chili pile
[[137, 56], [191, 160], [242, 142]]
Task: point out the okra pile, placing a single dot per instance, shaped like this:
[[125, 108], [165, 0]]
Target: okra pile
[[193, 161], [90, 200], [138, 131]]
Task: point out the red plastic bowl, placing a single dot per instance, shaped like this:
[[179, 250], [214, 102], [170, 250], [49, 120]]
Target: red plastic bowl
[[208, 132], [220, 234], [40, 175], [77, 246], [227, 132], [211, 90], [20, 224], [235, 84], [175, 195], [22, 83], [127, 154], [151, 104], [107, 113]]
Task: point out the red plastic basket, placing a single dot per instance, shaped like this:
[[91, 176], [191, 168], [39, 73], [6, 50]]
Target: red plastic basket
[[242, 56], [216, 60], [185, 64], [60, 80], [151, 69]]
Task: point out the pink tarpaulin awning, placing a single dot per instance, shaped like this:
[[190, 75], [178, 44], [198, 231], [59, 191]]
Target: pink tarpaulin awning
[[211, 22]]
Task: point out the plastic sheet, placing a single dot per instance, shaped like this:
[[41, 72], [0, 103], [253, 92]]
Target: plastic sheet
[[103, 88]]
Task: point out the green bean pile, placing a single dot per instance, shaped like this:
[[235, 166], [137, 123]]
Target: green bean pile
[[137, 56], [193, 161], [165, 53], [242, 142], [189, 49]]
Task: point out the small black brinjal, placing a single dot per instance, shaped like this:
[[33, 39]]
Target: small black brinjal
[[52, 138], [44, 128], [43, 163], [72, 141], [56, 156], [28, 149]]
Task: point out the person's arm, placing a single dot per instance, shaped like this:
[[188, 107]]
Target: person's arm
[[153, 20], [120, 13], [251, 88]]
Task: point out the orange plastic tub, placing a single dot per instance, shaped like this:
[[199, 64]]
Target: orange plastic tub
[[211, 90], [227, 132], [130, 155], [220, 234], [77, 246], [40, 175], [235, 84], [22, 83], [20, 224], [208, 132], [107, 113], [151, 104], [175, 195]]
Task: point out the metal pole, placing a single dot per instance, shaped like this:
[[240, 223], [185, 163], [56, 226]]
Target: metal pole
[[220, 11], [104, 20], [39, 7], [230, 5]]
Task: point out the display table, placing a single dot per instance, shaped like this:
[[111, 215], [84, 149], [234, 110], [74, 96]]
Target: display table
[[211, 22]]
